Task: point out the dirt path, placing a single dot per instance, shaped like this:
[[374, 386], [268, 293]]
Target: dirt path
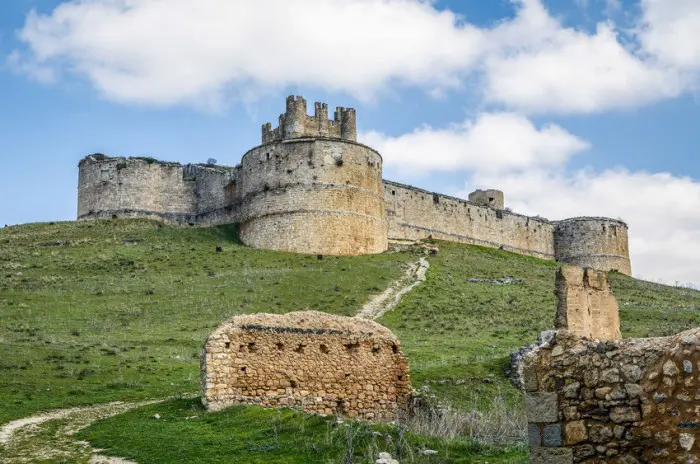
[[378, 305], [50, 436]]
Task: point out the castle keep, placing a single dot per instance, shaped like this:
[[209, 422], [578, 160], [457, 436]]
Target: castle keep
[[310, 187]]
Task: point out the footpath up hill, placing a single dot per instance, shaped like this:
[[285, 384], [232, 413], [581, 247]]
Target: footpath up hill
[[100, 311]]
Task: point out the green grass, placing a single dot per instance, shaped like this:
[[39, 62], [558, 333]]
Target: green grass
[[458, 335], [118, 310], [256, 435]]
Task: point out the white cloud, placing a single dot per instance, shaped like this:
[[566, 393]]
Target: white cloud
[[206, 51], [492, 143], [175, 51], [670, 32], [507, 152], [543, 67]]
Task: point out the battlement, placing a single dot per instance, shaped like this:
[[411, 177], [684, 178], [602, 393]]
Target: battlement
[[295, 123]]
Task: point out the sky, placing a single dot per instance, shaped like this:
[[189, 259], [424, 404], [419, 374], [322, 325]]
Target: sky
[[571, 107]]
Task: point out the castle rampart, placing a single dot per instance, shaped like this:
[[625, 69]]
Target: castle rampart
[[325, 364], [416, 214], [311, 188]]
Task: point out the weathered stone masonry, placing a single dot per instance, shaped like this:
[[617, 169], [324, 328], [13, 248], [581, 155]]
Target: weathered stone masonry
[[610, 401], [325, 364], [311, 188]]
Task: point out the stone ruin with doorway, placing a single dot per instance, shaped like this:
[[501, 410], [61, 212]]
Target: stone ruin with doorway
[[323, 363]]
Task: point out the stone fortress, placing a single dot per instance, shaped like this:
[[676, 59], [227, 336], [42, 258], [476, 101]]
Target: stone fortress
[[310, 187]]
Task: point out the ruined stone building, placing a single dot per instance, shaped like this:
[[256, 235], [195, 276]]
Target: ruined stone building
[[310, 187], [323, 363], [594, 398]]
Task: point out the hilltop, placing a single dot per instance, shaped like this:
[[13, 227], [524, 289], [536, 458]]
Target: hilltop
[[100, 311]]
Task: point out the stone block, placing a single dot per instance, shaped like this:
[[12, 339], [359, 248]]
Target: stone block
[[575, 432], [543, 455], [534, 435], [551, 435], [542, 407]]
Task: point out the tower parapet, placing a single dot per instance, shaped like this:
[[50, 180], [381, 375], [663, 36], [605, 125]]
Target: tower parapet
[[295, 123]]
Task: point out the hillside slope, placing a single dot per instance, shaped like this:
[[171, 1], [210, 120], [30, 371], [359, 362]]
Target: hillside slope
[[117, 310]]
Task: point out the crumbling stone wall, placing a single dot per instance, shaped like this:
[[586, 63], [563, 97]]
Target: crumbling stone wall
[[609, 401], [619, 401], [323, 363], [586, 306]]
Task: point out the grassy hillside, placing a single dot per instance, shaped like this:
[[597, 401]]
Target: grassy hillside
[[117, 310]]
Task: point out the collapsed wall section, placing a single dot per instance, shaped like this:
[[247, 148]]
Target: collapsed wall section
[[599, 243], [323, 363], [416, 214], [313, 196]]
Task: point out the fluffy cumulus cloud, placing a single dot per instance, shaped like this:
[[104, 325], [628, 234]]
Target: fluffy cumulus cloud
[[661, 209], [203, 52], [175, 51], [562, 70], [669, 32], [495, 143]]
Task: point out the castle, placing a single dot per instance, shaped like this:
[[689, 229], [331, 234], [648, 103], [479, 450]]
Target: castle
[[310, 187]]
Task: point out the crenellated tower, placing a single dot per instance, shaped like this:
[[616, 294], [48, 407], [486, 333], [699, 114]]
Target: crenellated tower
[[311, 188], [295, 123]]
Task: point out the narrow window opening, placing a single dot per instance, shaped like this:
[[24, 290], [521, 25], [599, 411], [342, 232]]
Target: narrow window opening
[[280, 346], [300, 348], [252, 348], [352, 347], [323, 348], [394, 349], [393, 192], [400, 377], [292, 384], [243, 369], [436, 198], [227, 345], [241, 348], [375, 349]]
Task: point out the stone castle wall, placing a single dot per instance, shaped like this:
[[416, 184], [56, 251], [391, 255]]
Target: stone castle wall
[[134, 187], [414, 214], [311, 188], [313, 196], [325, 364], [599, 243]]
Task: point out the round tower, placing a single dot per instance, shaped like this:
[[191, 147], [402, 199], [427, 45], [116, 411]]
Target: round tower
[[598, 243], [311, 188]]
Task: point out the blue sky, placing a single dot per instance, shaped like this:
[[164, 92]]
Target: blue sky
[[572, 107]]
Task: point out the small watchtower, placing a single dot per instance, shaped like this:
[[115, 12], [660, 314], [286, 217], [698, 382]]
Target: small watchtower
[[491, 198], [295, 123]]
